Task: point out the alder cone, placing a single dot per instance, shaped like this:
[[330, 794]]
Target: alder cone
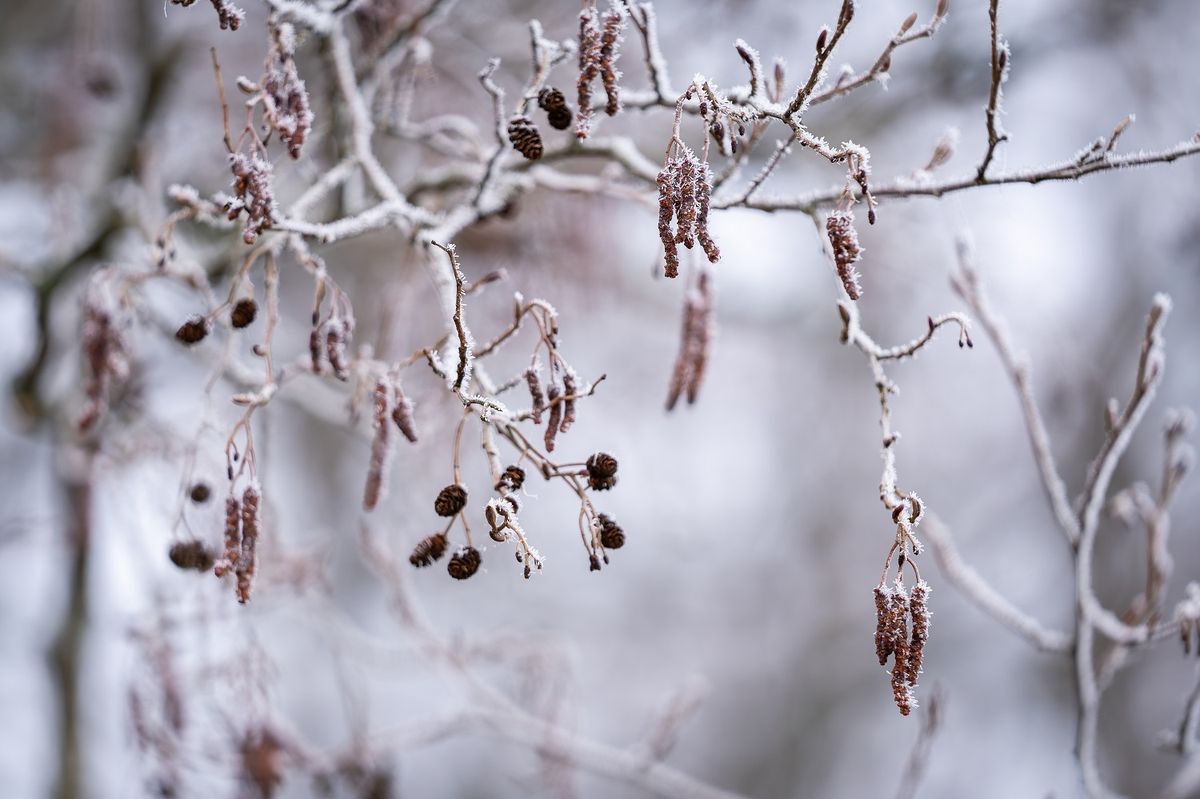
[[525, 137], [450, 500], [428, 550], [243, 313], [554, 103], [193, 330], [464, 563]]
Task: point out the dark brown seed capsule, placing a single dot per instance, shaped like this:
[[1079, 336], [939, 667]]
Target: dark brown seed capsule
[[464, 563], [554, 103], [560, 119], [193, 330], [200, 493], [512, 479], [450, 500], [525, 137], [243, 312], [602, 471], [428, 550], [193, 555], [611, 534]]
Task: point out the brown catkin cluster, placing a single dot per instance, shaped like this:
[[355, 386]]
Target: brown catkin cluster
[[883, 648], [589, 68], [192, 554], [381, 445], [601, 471], [285, 98], [233, 536], [247, 562], [555, 421], [917, 606], [694, 344], [684, 189], [107, 356], [402, 412], [610, 44], [536, 395], [428, 550], [243, 313], [554, 103], [846, 250], [464, 563], [893, 608], [897, 631], [253, 194], [525, 137], [570, 391], [450, 500]]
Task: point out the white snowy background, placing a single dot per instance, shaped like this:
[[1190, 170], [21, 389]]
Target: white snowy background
[[755, 530]]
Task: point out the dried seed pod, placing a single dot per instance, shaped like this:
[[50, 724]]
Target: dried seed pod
[[570, 389], [192, 554], [601, 471], [402, 413], [883, 642], [554, 103], [666, 210], [450, 500], [846, 250], [233, 535], [200, 493], [702, 332], [464, 563], [337, 336], [381, 446], [193, 330], [253, 194], [243, 313], [610, 44], [525, 137], [555, 421], [611, 534], [589, 68], [897, 632], [920, 630], [593, 563], [247, 562], [685, 201], [314, 350], [537, 397], [703, 195], [428, 550], [512, 479]]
